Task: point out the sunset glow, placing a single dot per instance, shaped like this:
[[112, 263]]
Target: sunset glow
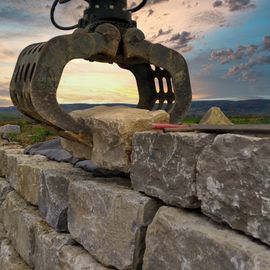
[[227, 48]]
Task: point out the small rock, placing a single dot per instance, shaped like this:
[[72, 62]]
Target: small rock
[[215, 117], [6, 130], [52, 149]]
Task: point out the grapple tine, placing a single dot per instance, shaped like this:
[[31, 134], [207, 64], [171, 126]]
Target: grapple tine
[[39, 70], [170, 65]]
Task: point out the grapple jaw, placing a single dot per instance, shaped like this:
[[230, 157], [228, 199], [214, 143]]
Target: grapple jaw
[[161, 74]]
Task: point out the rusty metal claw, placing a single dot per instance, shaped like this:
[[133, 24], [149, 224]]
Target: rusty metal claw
[[39, 69]]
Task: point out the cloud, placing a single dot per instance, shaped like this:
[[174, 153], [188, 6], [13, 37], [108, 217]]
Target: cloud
[[227, 55], [259, 60], [250, 57], [182, 40], [234, 5]]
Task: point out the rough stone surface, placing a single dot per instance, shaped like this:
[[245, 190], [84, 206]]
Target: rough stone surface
[[5, 188], [9, 259], [180, 240], [234, 183], [112, 128], [215, 117], [48, 244], [3, 233], [6, 130], [164, 165], [4, 150], [30, 172], [76, 258], [13, 161], [19, 220], [78, 150], [53, 193], [109, 220]]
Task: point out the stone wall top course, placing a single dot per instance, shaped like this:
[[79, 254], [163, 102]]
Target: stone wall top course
[[164, 165], [4, 150], [233, 183]]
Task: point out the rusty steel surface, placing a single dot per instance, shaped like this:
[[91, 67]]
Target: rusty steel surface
[[106, 33]]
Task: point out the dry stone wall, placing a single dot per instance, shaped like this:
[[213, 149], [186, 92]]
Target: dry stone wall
[[194, 201]]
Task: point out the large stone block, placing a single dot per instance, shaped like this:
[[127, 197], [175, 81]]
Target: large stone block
[[19, 220], [48, 244], [164, 165], [112, 129], [4, 150], [109, 220], [53, 193], [30, 171], [234, 183], [76, 258], [9, 259], [13, 161], [177, 239]]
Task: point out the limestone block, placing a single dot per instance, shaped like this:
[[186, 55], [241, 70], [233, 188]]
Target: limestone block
[[76, 258], [234, 183], [30, 172], [13, 161], [53, 193], [4, 150], [177, 239], [48, 244], [9, 259], [164, 165], [112, 128], [215, 117], [19, 220], [109, 220]]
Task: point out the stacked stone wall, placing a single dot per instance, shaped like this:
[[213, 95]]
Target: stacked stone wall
[[193, 201]]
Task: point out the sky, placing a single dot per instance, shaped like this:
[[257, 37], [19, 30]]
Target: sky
[[225, 42]]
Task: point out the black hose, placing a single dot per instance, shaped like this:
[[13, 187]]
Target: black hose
[[137, 8], [55, 3]]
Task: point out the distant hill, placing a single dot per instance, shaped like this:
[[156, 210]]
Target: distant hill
[[255, 107], [258, 107]]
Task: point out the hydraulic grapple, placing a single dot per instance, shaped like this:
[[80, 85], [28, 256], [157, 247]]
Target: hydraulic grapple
[[106, 33]]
